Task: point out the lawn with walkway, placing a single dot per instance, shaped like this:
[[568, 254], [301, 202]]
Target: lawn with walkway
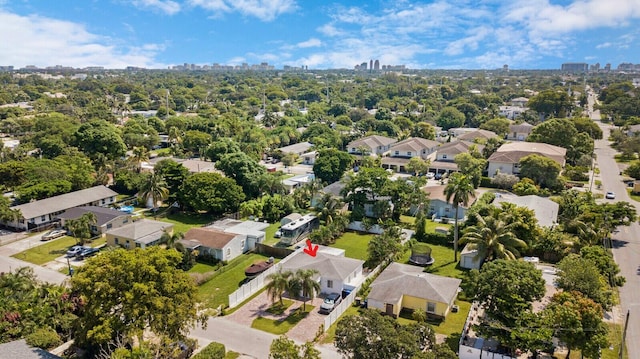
[[226, 280], [282, 326], [355, 244], [182, 222]]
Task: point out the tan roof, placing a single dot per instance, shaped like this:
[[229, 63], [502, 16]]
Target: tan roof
[[457, 147], [478, 134], [296, 147], [524, 127], [437, 192], [64, 201], [415, 144], [372, 141], [512, 152], [402, 279], [142, 231], [211, 238], [329, 266]]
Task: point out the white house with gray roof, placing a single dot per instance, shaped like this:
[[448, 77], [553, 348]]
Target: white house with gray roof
[[106, 218], [44, 211], [336, 272], [545, 210]]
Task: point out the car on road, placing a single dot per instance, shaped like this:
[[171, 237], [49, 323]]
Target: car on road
[[87, 252], [610, 195], [53, 234], [330, 302]]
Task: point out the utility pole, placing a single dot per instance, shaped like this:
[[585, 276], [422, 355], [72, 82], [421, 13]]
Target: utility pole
[[624, 336]]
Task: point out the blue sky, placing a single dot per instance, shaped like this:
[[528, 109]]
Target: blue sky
[[441, 34]]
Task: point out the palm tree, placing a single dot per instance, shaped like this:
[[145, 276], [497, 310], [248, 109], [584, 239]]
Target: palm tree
[[493, 239], [172, 240], [81, 226], [139, 155], [174, 136], [279, 282], [303, 283], [459, 190], [154, 188], [328, 207]]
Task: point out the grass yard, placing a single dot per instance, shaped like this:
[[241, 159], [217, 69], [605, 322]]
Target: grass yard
[[46, 252], [232, 355], [431, 225], [277, 308], [354, 244], [201, 268], [216, 291], [279, 327], [635, 197], [453, 323], [444, 264], [182, 222], [269, 238]]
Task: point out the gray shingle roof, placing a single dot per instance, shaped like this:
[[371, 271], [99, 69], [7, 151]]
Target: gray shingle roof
[[19, 349], [402, 279], [373, 142], [143, 231], [64, 201], [103, 215], [328, 265], [545, 210]]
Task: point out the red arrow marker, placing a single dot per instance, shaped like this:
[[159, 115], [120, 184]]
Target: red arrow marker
[[311, 250]]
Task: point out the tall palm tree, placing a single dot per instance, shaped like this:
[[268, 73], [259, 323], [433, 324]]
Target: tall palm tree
[[459, 191], [155, 188], [81, 226], [303, 283], [174, 136], [279, 282], [139, 155], [493, 239], [328, 207]]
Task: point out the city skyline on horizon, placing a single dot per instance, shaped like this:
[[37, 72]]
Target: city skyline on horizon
[[421, 35]]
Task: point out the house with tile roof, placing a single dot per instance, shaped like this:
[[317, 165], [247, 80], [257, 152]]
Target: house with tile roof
[[479, 134], [439, 207], [139, 234], [106, 218], [373, 145], [19, 349], [507, 157], [401, 152], [403, 286], [519, 132], [336, 273], [447, 152], [45, 211]]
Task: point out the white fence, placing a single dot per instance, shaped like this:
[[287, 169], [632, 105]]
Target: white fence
[[335, 314], [257, 283]]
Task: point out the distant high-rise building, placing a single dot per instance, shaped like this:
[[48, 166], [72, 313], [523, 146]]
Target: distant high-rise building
[[607, 67], [505, 67], [575, 67], [370, 64], [376, 65]]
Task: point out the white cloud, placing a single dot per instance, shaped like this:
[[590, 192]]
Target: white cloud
[[476, 35], [330, 30], [42, 41], [313, 42], [265, 10], [166, 6], [604, 45]]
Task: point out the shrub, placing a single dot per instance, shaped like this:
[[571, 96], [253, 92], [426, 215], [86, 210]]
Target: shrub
[[44, 338], [201, 278], [419, 315], [212, 351]]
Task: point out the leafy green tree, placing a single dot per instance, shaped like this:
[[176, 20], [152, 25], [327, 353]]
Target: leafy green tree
[[285, 348], [423, 130], [586, 125], [384, 246], [99, 137], [605, 263], [557, 132], [126, 292], [155, 188], [582, 275], [450, 117], [418, 166], [211, 192], [374, 336], [633, 170], [173, 173], [542, 170], [245, 170], [331, 164], [577, 322], [471, 166], [459, 191], [493, 238], [555, 103], [500, 126], [196, 141]]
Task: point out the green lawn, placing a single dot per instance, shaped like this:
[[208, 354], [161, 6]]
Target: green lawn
[[277, 308], [182, 222], [330, 335], [279, 327], [201, 268], [635, 197], [431, 225], [47, 252], [444, 264], [354, 244], [269, 238], [216, 291], [453, 323], [615, 333]]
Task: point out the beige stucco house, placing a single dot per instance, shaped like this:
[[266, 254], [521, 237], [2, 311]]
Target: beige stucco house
[[507, 158]]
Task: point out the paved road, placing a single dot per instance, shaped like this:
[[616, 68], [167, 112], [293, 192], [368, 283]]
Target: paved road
[[251, 342], [8, 263], [626, 242]]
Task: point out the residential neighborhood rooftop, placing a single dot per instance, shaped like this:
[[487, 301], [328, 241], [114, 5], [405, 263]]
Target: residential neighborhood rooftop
[[64, 201], [143, 231]]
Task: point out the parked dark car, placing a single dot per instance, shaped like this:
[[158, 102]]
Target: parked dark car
[[74, 251], [87, 252]]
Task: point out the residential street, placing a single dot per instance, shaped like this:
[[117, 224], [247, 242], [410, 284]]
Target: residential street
[[8, 263], [245, 340], [626, 242]]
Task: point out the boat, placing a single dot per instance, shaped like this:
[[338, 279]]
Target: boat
[[256, 268]]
